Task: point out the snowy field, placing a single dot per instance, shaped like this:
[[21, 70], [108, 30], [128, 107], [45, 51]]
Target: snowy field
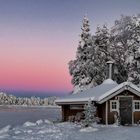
[[33, 124]]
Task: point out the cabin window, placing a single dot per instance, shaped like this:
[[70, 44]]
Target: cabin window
[[76, 106], [113, 105], [137, 105]]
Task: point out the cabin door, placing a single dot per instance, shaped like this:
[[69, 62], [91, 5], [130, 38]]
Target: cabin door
[[125, 110]]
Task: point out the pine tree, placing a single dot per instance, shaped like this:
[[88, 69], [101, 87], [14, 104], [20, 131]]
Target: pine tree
[[89, 113], [79, 68]]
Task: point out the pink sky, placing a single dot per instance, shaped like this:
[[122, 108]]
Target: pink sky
[[35, 64], [39, 37]]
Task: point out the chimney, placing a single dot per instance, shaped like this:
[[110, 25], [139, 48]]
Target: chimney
[[110, 64]]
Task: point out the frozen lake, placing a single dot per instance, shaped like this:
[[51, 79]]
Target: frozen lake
[[17, 115]]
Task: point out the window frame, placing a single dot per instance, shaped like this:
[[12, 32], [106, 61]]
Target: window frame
[[136, 101], [111, 105]]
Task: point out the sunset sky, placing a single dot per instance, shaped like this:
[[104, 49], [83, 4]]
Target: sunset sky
[[39, 37]]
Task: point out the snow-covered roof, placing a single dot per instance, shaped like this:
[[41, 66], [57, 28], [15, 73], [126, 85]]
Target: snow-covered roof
[[100, 93], [92, 93]]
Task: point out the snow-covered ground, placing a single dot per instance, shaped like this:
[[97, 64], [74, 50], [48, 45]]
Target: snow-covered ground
[[46, 130], [27, 125]]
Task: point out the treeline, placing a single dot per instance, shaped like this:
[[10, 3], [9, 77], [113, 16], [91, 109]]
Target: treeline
[[6, 99]]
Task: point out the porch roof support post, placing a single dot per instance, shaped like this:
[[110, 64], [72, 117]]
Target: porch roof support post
[[63, 113], [106, 112]]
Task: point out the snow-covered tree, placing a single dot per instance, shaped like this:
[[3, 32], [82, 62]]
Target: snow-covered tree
[[89, 114], [121, 44], [125, 40], [89, 68], [6, 99], [79, 68], [102, 53], [134, 64]]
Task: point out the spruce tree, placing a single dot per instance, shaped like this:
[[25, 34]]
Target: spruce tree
[[89, 114], [102, 53], [79, 67]]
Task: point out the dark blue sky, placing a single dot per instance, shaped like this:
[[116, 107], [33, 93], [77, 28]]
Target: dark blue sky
[[66, 12], [64, 15]]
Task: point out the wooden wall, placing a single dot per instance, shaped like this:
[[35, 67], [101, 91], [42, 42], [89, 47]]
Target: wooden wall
[[101, 110], [136, 115]]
